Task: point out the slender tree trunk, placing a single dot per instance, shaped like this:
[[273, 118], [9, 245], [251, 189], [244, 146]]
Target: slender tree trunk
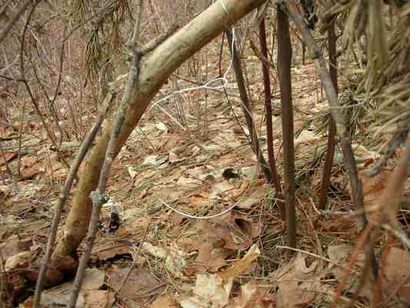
[[331, 137], [246, 107], [285, 84], [154, 71], [268, 112], [341, 128]]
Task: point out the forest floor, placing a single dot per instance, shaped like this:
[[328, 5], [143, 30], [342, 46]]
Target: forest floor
[[198, 254]]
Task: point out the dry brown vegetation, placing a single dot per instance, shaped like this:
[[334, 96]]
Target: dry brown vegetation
[[229, 153]]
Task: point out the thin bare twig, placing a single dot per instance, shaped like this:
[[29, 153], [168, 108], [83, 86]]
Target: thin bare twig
[[377, 289], [245, 105], [5, 295], [4, 7], [361, 242], [29, 90], [20, 142], [268, 111], [312, 255], [137, 26], [16, 17], [6, 163], [341, 129], [135, 257], [57, 90], [98, 196], [284, 59], [85, 146], [395, 142], [331, 136], [389, 206], [390, 201], [11, 78]]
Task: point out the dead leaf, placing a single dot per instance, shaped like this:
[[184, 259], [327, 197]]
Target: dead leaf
[[161, 126], [155, 251], [104, 250], [6, 131], [337, 224], [211, 258], [93, 279], [4, 192], [21, 260], [145, 192], [90, 295], [6, 157], [209, 291], [253, 296], [29, 173], [397, 272], [297, 284], [139, 286], [173, 158], [154, 161], [221, 236], [250, 202], [306, 138], [198, 199], [59, 174], [220, 190], [373, 186], [238, 192], [28, 161], [97, 298], [13, 246], [30, 167], [240, 266], [188, 182], [164, 301], [175, 259], [339, 253], [250, 172], [131, 171]]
